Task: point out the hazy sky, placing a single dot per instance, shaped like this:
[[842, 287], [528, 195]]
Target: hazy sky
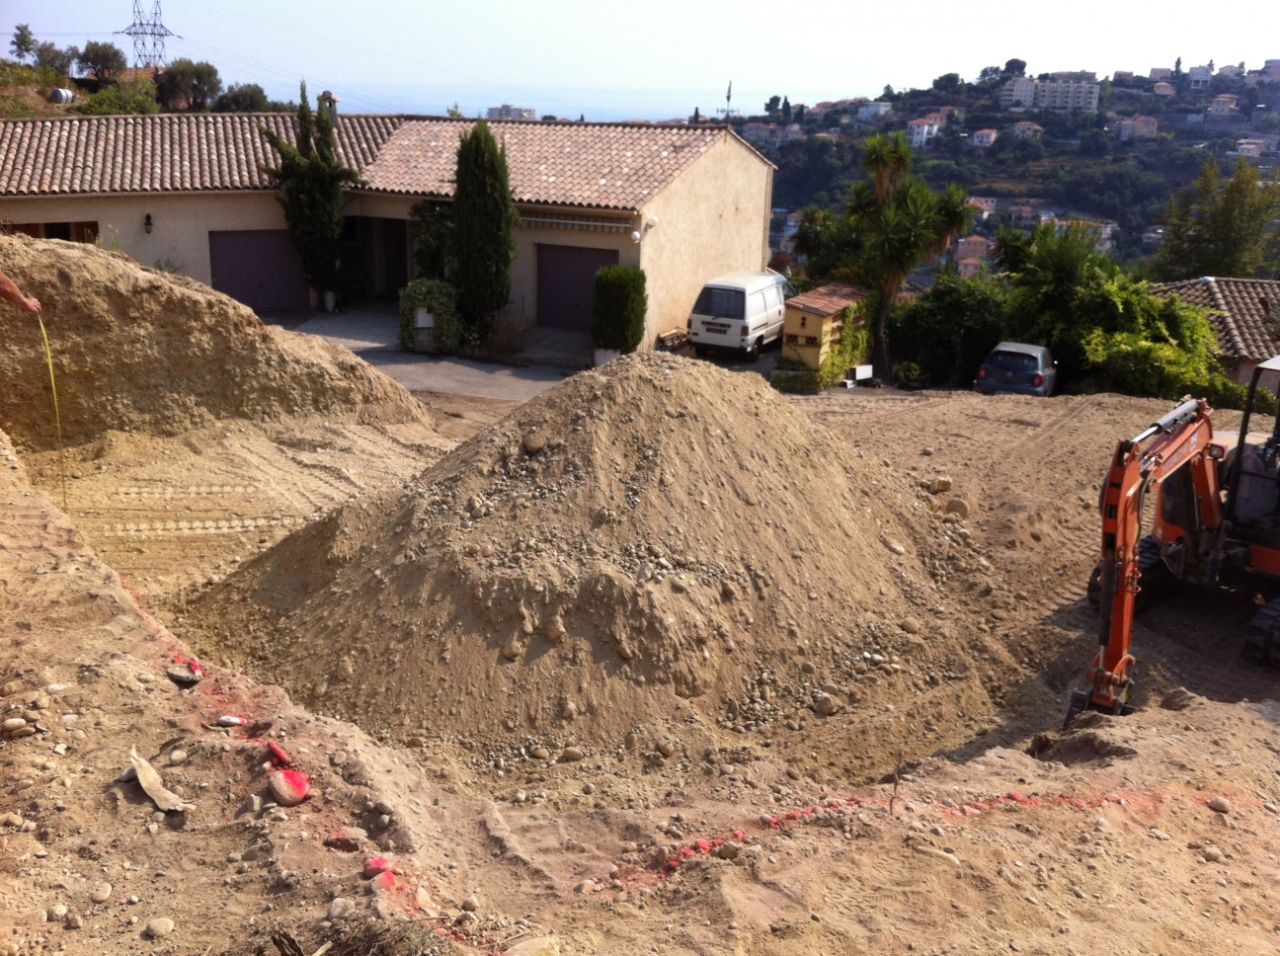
[[654, 58]]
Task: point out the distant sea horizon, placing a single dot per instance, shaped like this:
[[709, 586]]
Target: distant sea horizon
[[600, 105]]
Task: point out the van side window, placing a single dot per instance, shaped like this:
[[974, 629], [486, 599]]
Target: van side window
[[764, 301]]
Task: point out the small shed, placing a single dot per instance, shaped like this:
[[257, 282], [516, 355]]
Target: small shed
[[815, 319]]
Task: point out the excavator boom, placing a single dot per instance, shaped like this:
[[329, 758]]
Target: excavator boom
[[1180, 439]]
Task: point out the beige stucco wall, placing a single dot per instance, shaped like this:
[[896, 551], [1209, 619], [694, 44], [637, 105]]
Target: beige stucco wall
[[713, 219], [181, 222]]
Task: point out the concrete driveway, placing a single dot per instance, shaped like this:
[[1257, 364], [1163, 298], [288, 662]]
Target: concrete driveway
[[373, 333]]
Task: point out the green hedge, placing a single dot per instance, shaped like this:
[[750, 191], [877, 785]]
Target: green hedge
[[617, 311], [441, 300]]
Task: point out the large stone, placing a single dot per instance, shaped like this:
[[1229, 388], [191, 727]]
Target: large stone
[[538, 946], [159, 928]]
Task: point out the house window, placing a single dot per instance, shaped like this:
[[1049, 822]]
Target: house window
[[811, 340], [793, 340]]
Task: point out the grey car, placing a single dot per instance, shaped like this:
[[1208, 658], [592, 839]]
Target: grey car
[[1014, 367]]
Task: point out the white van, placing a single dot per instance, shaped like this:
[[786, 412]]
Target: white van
[[741, 312]]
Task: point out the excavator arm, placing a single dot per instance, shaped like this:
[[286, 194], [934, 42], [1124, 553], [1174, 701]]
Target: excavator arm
[[1182, 439]]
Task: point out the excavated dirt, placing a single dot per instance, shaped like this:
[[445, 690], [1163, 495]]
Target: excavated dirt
[[659, 550], [140, 350], [195, 435], [678, 672]]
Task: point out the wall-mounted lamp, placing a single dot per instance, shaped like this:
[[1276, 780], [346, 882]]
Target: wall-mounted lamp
[[638, 234], [146, 224]]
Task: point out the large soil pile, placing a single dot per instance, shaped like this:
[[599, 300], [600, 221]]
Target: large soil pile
[[137, 349], [659, 539]]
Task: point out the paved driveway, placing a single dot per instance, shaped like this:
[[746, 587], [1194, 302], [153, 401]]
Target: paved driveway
[[374, 334]]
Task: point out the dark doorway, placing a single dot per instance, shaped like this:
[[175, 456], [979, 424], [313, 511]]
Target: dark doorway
[[259, 267], [566, 284]]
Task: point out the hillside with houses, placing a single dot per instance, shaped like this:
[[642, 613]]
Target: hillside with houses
[[1067, 147]]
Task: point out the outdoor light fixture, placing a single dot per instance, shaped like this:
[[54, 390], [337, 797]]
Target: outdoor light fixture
[[146, 224], [638, 234]]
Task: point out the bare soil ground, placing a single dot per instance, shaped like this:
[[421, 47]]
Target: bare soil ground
[[941, 816]]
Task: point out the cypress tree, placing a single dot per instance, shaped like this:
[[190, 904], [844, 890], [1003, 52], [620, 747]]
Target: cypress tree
[[311, 179], [484, 218]]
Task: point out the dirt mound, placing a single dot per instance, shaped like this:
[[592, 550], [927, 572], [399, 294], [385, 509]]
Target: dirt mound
[[137, 349], [654, 533]]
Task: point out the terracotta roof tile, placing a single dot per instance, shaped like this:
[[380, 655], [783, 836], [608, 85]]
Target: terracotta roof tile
[[1245, 312], [164, 153], [571, 164], [828, 299]]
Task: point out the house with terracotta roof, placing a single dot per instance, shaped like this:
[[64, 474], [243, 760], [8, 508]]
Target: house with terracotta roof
[[187, 191], [1245, 314], [983, 138], [920, 132], [1026, 129]]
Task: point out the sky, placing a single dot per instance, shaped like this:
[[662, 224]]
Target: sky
[[656, 59]]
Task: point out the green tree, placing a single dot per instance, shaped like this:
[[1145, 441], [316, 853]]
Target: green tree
[[23, 43], [948, 83], [136, 95], [59, 60], [188, 86], [1217, 228], [311, 178], [773, 104], [102, 61], [431, 229], [1015, 67], [484, 218], [786, 110], [242, 98], [899, 222], [949, 330]]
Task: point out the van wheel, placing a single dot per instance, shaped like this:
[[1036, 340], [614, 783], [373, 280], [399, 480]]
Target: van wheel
[[700, 351], [752, 351]]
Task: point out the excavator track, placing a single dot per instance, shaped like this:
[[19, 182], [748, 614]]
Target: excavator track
[[1262, 640], [1154, 577]]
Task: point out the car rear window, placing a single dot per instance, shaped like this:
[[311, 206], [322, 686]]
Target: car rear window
[[1014, 361], [721, 303]]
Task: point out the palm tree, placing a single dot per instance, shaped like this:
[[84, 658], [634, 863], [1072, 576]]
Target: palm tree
[[900, 223]]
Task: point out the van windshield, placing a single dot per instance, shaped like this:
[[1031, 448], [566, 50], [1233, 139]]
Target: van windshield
[[721, 303]]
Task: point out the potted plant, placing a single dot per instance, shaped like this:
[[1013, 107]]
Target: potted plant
[[617, 312], [429, 316]]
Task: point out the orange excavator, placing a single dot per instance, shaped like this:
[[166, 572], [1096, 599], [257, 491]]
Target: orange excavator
[[1215, 523]]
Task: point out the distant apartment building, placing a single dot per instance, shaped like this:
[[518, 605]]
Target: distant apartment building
[[1199, 77], [1137, 127], [1025, 129], [1223, 104], [1160, 73], [1018, 93], [1068, 95], [874, 110], [983, 138], [1122, 76], [921, 132], [1231, 70], [509, 112], [761, 134]]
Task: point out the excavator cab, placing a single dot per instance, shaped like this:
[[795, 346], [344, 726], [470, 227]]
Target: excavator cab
[[1252, 507]]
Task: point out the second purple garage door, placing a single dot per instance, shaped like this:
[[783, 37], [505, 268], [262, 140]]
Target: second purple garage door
[[259, 267], [566, 284]]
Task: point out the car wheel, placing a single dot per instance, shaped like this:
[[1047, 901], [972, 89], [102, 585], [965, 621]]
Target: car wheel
[[752, 351]]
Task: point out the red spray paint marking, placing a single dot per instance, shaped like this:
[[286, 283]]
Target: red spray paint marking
[[1146, 803], [278, 755]]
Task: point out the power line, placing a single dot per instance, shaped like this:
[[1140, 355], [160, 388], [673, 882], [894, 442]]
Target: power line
[[148, 36]]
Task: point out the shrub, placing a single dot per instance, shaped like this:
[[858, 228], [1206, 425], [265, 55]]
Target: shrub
[[617, 311], [440, 299]]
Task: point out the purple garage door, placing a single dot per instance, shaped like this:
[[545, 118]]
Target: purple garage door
[[567, 283], [260, 268]]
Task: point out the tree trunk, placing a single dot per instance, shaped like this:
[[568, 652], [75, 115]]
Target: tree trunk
[[881, 360]]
